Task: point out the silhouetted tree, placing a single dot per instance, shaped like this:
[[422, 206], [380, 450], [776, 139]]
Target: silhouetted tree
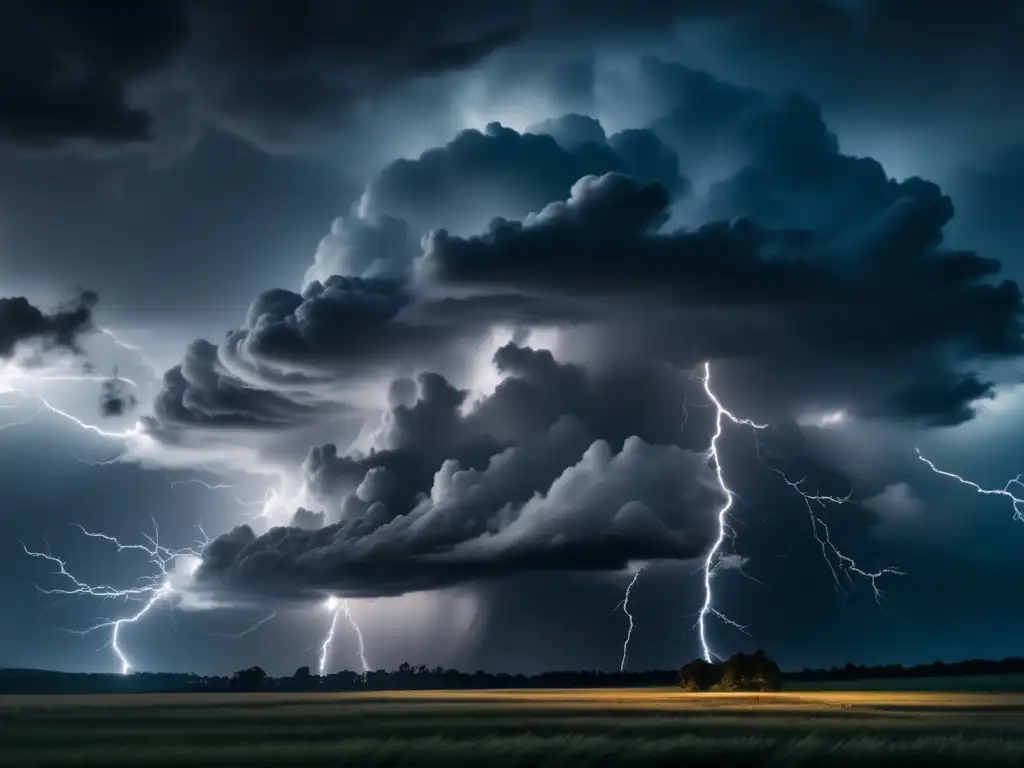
[[699, 675], [754, 672], [251, 679], [302, 680]]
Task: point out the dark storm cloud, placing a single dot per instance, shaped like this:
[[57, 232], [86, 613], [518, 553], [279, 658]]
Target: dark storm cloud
[[908, 60], [307, 520], [991, 199], [116, 397], [65, 67], [772, 158], [464, 184], [832, 289], [269, 72], [886, 302], [22, 322], [600, 513], [346, 325], [201, 393], [571, 130], [494, 480], [423, 428], [427, 424]]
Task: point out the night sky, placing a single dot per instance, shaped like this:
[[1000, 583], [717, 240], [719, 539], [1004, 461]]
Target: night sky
[[409, 305]]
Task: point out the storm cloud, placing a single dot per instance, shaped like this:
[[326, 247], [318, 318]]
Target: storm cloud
[[600, 513], [811, 281], [60, 330]]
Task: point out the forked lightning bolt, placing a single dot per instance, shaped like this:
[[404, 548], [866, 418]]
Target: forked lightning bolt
[[1005, 492], [846, 565], [625, 610], [712, 559], [150, 591], [337, 608], [332, 607]]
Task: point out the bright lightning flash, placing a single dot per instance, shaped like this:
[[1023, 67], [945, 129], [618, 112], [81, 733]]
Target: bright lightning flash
[[150, 591], [846, 565], [724, 531], [625, 610], [1005, 491], [337, 608]]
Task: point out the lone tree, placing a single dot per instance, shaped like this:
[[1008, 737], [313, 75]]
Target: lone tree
[[742, 672]]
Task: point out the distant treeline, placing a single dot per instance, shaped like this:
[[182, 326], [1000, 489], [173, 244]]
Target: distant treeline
[[408, 677], [1012, 666]]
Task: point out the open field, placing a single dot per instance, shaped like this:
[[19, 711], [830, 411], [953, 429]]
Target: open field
[[659, 727], [984, 683]]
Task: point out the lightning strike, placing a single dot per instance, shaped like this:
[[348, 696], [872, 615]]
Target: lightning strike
[[625, 610], [338, 608], [843, 571], [724, 530], [118, 341], [151, 590], [124, 434], [845, 567], [332, 606], [201, 483], [1005, 491], [359, 636]]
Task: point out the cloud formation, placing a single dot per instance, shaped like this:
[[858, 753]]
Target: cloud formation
[[811, 281], [23, 323], [600, 513]]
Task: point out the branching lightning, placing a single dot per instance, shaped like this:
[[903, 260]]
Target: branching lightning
[[331, 606], [846, 565], [121, 434], [201, 483], [337, 608], [1005, 491], [150, 591], [724, 530], [359, 636]]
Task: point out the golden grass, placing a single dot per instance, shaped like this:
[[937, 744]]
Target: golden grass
[[607, 699]]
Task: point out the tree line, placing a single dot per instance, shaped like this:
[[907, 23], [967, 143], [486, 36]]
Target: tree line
[[743, 671]]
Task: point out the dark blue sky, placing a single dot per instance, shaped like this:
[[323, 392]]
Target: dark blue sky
[[821, 197]]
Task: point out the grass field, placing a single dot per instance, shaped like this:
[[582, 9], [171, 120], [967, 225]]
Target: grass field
[[516, 728], [983, 683]]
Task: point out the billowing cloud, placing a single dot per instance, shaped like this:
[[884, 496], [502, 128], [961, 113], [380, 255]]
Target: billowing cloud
[[23, 323], [881, 324], [602, 511], [812, 281], [480, 175]]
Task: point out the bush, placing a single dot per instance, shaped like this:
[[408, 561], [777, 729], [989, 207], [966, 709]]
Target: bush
[[700, 675], [742, 672]]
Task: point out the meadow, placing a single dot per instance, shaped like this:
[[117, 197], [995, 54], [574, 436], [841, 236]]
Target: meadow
[[654, 727]]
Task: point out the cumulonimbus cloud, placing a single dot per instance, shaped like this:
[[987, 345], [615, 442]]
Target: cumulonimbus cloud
[[813, 281]]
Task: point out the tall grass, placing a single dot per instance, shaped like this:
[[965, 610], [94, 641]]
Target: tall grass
[[565, 750], [200, 731]]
